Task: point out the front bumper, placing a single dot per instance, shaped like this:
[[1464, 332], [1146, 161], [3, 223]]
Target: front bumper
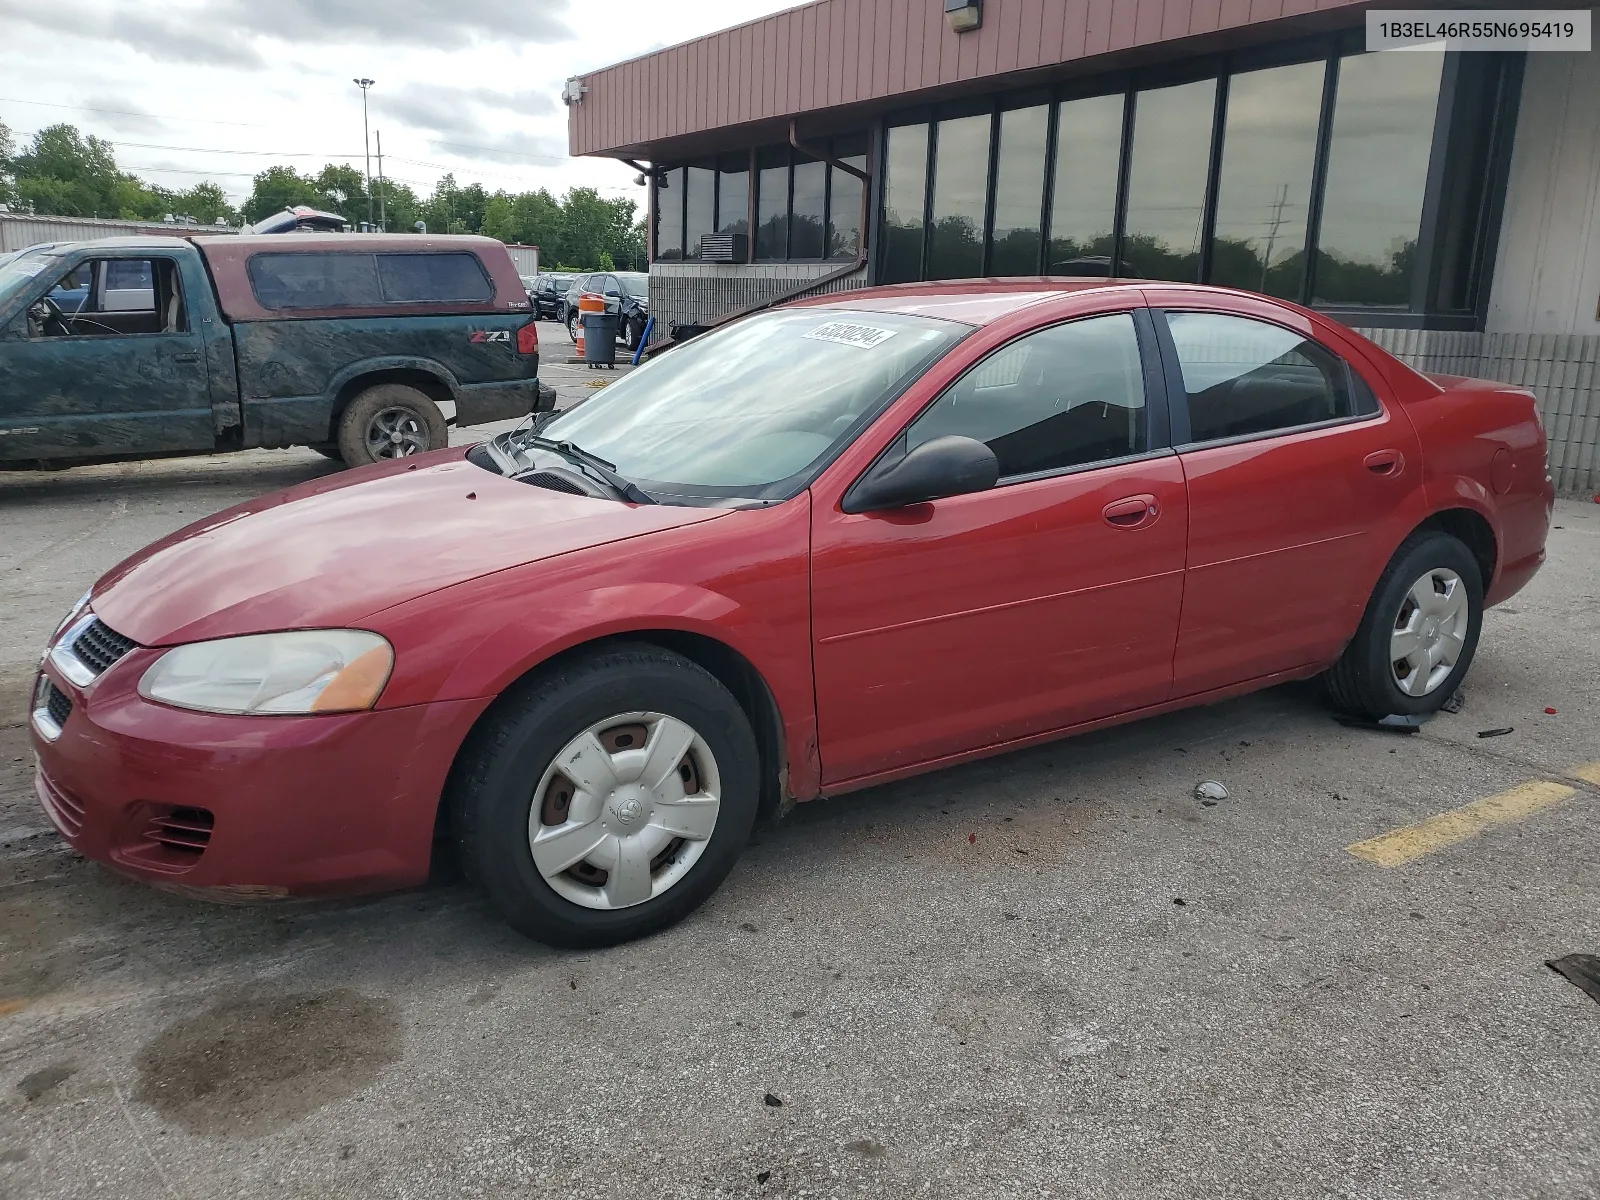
[[244, 806]]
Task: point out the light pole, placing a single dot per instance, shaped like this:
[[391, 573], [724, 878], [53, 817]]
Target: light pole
[[366, 144]]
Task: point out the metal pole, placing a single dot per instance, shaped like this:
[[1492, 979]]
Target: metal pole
[[383, 215], [366, 142]]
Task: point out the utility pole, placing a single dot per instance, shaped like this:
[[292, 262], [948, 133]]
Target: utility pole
[[383, 215], [1272, 236], [366, 141]]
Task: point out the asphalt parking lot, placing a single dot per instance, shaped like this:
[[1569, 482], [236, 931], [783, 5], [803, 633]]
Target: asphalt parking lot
[[1055, 973]]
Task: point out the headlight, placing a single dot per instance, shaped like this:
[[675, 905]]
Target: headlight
[[307, 671]]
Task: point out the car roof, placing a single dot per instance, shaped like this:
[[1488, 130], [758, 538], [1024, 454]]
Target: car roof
[[973, 301], [291, 242]]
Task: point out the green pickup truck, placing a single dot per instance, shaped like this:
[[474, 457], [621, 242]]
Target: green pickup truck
[[348, 343]]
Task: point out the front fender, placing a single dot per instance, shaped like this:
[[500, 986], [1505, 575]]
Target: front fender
[[741, 580]]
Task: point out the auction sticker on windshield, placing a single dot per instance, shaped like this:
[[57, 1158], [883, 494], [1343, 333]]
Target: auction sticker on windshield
[[848, 333]]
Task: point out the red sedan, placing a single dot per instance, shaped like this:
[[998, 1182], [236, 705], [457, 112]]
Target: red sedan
[[820, 548]]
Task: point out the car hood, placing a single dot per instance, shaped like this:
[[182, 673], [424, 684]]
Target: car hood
[[332, 552]]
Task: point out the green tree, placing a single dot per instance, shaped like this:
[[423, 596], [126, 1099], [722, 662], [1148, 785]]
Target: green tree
[[345, 188], [278, 188], [402, 209], [8, 148], [500, 218], [62, 172]]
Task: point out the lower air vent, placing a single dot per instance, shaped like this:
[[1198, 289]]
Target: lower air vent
[[60, 805], [169, 837], [58, 704]]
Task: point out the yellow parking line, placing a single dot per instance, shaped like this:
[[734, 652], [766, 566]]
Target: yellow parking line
[[1411, 842], [1589, 772]]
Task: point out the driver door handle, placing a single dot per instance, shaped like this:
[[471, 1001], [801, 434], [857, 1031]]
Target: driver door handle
[[1132, 512], [185, 358]]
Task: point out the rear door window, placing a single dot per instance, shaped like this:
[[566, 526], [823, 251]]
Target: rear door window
[[1246, 378], [420, 278], [315, 280]]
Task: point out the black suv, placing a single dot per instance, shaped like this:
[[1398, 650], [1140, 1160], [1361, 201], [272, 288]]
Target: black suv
[[627, 294], [549, 294]]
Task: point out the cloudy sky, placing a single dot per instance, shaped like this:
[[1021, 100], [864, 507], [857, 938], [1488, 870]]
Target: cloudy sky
[[220, 89]]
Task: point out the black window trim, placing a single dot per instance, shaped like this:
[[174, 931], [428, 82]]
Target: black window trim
[[1172, 369], [1158, 442]]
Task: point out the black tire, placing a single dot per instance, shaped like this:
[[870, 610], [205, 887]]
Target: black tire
[[332, 452], [572, 327], [632, 328], [1362, 682], [425, 428], [491, 791]]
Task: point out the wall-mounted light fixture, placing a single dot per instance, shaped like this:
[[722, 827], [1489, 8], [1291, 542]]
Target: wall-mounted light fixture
[[963, 15]]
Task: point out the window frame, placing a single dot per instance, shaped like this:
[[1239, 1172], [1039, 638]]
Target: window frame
[[1158, 440], [95, 262], [1172, 371]]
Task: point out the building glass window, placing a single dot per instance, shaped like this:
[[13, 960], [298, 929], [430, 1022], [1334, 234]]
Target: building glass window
[[1269, 149], [1083, 208], [772, 204], [1167, 181], [733, 195], [669, 216], [960, 194], [700, 193], [808, 209], [844, 200], [905, 190], [1383, 120], [1019, 191]]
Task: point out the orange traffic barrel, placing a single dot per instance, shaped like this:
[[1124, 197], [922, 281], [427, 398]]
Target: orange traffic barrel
[[589, 302]]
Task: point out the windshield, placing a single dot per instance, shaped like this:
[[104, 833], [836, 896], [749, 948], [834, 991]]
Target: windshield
[[746, 409], [635, 285], [17, 273]]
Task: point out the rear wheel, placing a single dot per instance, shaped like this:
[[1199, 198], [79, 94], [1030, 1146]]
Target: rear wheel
[[608, 799], [390, 421], [572, 327], [1418, 636]]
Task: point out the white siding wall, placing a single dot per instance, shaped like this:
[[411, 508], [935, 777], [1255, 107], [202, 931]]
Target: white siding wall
[[1547, 272]]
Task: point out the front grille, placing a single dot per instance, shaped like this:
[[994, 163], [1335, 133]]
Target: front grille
[[555, 483], [61, 806], [58, 704], [99, 646]]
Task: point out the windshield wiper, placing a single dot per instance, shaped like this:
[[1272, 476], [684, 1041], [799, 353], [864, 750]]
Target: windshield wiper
[[605, 471]]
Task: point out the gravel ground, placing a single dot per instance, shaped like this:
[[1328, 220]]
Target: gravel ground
[[1055, 973]]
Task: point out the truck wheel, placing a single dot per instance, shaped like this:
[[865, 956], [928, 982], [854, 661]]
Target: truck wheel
[[390, 421]]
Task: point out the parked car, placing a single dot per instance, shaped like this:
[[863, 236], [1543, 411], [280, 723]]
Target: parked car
[[137, 347], [627, 294], [549, 294], [301, 218], [819, 548]]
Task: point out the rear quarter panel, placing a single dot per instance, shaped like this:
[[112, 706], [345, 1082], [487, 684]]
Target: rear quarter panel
[[290, 371], [1484, 449]]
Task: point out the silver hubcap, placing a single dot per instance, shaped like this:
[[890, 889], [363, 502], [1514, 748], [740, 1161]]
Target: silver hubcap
[[625, 810], [1430, 632], [396, 433]]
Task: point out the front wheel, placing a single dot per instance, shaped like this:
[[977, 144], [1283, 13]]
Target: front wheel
[[608, 799], [390, 421], [1418, 636]]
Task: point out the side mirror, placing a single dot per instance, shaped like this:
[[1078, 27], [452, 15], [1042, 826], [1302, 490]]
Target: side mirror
[[946, 466]]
